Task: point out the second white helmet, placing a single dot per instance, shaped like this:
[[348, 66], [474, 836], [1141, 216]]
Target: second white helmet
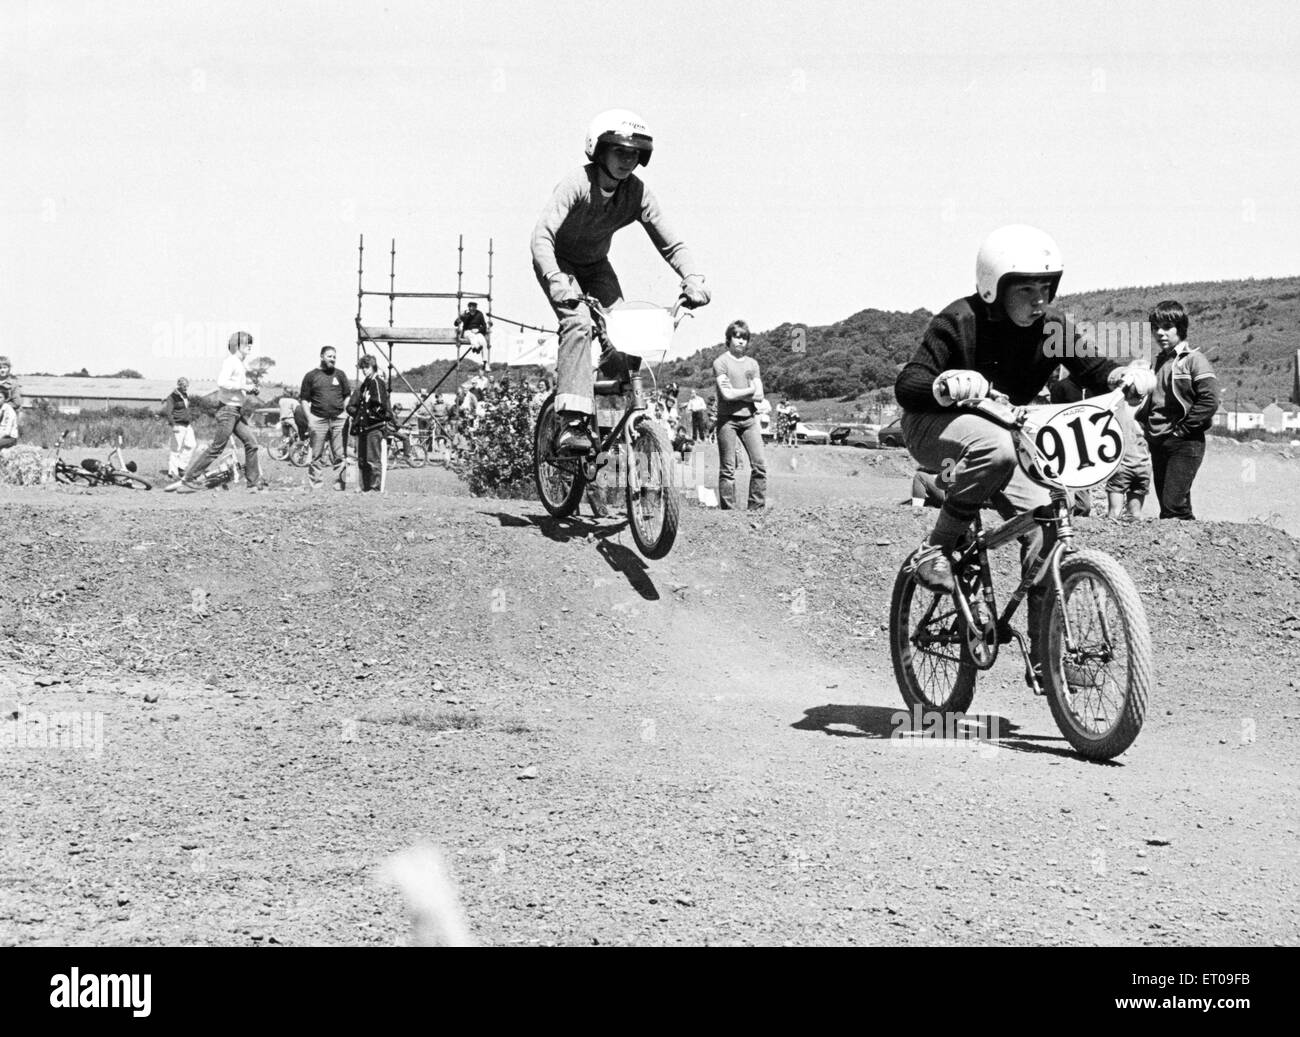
[[1016, 249], [620, 126]]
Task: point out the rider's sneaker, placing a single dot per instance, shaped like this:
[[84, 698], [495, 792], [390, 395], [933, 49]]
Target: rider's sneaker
[[574, 438], [186, 486], [932, 570]]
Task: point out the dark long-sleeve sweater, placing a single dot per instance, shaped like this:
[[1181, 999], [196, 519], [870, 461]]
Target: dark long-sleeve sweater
[[1017, 361], [578, 224], [325, 392], [368, 408]]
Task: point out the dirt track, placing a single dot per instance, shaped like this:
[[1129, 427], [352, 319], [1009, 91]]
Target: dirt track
[[710, 733]]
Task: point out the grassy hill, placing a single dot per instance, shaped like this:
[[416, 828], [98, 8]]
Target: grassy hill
[[1244, 327]]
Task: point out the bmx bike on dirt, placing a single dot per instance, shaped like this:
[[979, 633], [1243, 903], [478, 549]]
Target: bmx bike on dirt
[[641, 447], [113, 471], [1092, 632]]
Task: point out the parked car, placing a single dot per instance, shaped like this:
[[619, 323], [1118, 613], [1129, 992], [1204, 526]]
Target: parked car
[[855, 435], [891, 434], [805, 433]]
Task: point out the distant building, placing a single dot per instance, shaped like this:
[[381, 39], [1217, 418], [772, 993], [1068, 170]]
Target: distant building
[[1238, 421], [1279, 417], [74, 395]]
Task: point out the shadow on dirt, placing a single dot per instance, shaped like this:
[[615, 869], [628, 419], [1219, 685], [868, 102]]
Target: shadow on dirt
[[988, 729], [619, 558]]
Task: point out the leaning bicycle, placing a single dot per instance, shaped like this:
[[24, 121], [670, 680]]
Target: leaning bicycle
[[640, 447], [1091, 633], [112, 471]]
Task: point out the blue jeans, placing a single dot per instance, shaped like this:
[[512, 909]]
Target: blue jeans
[[746, 431], [230, 421], [573, 366], [1174, 464], [326, 430]]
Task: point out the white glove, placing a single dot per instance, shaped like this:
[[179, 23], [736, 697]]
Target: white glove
[[563, 289], [693, 291], [952, 386], [1136, 382]]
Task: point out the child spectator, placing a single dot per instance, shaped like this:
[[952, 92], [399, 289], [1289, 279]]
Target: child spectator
[[739, 388], [8, 421], [370, 413], [1126, 489], [1179, 410], [10, 383]]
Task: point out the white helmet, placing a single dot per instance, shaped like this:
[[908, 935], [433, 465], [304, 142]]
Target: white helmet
[[619, 126], [1016, 249]]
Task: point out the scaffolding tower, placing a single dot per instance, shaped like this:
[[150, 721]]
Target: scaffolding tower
[[385, 338]]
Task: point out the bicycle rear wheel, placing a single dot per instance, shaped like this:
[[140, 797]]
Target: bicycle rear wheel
[[300, 453], [559, 480], [280, 448], [652, 505], [127, 481], [932, 664], [1099, 692]]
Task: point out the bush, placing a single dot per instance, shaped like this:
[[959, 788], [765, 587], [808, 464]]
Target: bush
[[498, 458], [22, 465]]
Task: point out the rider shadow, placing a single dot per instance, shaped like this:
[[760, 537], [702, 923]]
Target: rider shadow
[[619, 558]]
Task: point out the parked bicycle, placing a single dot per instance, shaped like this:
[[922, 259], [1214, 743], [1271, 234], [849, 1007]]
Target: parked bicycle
[[640, 446], [113, 471], [292, 446], [405, 449], [1097, 667]]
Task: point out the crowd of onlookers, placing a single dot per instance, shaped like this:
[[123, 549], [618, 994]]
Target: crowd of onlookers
[[1164, 436]]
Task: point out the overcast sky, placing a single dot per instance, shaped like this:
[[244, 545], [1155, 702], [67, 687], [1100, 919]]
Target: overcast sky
[[173, 171]]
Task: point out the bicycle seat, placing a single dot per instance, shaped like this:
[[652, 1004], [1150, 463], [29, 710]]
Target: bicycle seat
[[616, 367]]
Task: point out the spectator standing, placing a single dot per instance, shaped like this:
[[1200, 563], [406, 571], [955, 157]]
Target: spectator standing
[[698, 409], [711, 418], [234, 388], [1126, 489], [10, 383], [177, 411], [370, 412], [739, 388], [8, 420], [1178, 411], [473, 327], [324, 394]]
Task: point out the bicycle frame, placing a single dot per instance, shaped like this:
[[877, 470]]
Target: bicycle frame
[[1046, 564], [629, 382]]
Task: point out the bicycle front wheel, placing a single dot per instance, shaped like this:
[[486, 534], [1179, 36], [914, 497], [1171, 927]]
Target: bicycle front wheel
[[559, 480], [652, 503], [1098, 692], [932, 663], [300, 453], [416, 455], [280, 449], [127, 481]]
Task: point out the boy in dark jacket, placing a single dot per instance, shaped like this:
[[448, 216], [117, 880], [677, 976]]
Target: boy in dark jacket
[[1179, 410], [370, 413]]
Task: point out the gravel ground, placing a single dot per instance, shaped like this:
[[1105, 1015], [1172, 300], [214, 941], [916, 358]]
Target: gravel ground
[[281, 690]]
